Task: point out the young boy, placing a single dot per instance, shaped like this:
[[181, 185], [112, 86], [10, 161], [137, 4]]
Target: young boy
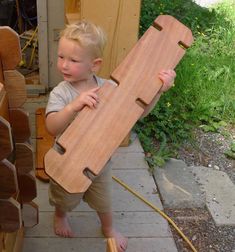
[[79, 59]]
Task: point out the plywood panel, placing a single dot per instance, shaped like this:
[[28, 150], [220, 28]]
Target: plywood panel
[[27, 187], [14, 83], [1, 71], [72, 6], [8, 179], [3, 103], [13, 242], [19, 120], [10, 50], [6, 143], [24, 158], [10, 215], [44, 142], [119, 108], [120, 20]]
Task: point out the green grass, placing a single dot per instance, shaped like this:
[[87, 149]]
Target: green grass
[[204, 91]]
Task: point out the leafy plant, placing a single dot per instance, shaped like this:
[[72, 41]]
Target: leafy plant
[[231, 152]]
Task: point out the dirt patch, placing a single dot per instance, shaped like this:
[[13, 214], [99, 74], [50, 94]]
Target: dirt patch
[[199, 227], [197, 224]]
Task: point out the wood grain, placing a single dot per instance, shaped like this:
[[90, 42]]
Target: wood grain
[[10, 215], [93, 136], [27, 187], [24, 158], [8, 179], [1, 72], [14, 83], [14, 241], [9, 48], [6, 143], [19, 120], [3, 103]]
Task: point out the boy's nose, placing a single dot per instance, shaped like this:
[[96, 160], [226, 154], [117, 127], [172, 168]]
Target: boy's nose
[[65, 64]]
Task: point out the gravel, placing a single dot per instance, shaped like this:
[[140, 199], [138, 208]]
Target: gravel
[[197, 224]]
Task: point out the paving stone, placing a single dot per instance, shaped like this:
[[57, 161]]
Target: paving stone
[[161, 244], [141, 182], [151, 245], [177, 186], [148, 231], [129, 161], [220, 194], [123, 200], [134, 145], [64, 245], [86, 224]]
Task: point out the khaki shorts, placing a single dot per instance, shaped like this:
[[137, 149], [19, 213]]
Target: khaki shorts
[[98, 195]]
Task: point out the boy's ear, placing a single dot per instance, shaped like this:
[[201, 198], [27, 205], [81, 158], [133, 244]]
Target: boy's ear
[[96, 65]]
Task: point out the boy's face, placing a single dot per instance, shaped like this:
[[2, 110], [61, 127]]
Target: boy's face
[[74, 62]]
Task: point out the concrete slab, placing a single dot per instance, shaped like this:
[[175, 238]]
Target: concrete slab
[[177, 186], [96, 245], [220, 194], [128, 160], [134, 145], [86, 224], [146, 229], [56, 244], [123, 200]]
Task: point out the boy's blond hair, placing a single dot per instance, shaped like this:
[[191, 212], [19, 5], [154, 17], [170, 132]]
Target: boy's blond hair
[[87, 35]]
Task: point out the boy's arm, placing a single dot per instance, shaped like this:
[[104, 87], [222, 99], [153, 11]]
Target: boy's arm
[[151, 105], [56, 122], [167, 77]]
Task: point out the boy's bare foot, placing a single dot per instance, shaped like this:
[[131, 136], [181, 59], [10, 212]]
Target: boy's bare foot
[[61, 225], [120, 240]]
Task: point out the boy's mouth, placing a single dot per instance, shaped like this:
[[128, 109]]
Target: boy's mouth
[[66, 75]]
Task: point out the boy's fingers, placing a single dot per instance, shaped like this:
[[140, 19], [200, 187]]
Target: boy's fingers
[[94, 96], [95, 89]]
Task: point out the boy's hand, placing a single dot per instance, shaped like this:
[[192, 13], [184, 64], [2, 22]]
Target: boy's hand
[[167, 77], [88, 98]]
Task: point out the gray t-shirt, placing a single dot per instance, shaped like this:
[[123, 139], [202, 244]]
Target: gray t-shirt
[[64, 93]]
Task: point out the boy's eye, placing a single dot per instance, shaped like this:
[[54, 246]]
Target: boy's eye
[[60, 56], [75, 61]]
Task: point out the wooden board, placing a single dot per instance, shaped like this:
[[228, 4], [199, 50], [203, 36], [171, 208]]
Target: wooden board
[[27, 187], [9, 48], [6, 143], [19, 120], [24, 158], [44, 142], [121, 26], [10, 215], [14, 83], [1, 71], [8, 179], [12, 242], [3, 103], [120, 107]]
